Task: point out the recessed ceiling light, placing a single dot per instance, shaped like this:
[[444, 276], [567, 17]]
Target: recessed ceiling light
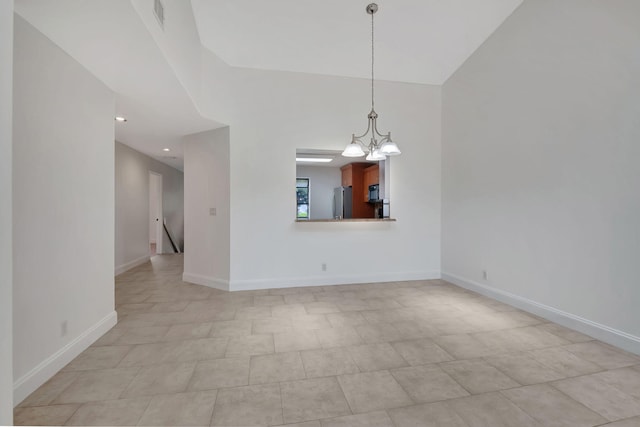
[[166, 149], [120, 119], [313, 159]]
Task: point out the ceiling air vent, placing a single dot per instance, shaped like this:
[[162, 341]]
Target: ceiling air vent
[[158, 10]]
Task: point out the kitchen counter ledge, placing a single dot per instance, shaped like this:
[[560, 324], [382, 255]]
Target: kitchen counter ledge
[[349, 220]]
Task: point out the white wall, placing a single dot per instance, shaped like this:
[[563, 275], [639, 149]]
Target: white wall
[[322, 181], [206, 179], [276, 112], [132, 205], [271, 113], [63, 209], [6, 280], [541, 135]]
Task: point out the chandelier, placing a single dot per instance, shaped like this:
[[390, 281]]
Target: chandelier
[[378, 149]]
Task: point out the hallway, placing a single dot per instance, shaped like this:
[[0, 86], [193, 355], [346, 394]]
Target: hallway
[[385, 354]]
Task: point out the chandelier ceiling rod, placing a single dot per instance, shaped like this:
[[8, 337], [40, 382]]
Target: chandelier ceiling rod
[[374, 8]]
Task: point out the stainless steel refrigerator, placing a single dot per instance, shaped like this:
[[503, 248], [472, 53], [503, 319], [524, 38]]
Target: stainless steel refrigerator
[[342, 202]]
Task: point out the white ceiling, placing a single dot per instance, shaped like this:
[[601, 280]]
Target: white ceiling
[[418, 41]]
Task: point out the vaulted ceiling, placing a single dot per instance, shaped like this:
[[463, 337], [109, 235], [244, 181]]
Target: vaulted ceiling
[[417, 41]]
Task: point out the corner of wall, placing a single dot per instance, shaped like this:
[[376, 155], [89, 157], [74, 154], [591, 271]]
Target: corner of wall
[[210, 282], [131, 264], [207, 208], [6, 220]]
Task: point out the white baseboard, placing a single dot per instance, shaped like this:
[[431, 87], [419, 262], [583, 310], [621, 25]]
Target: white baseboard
[[211, 282], [596, 330], [325, 280], [33, 379], [131, 264]]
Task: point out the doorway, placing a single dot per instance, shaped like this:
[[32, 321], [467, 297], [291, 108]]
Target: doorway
[[155, 213]]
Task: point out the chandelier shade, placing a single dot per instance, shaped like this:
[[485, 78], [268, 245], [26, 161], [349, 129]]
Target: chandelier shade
[[375, 155], [353, 150], [389, 148]]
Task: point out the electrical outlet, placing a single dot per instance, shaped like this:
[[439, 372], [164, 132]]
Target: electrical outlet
[[212, 211], [63, 328], [324, 266], [485, 275]]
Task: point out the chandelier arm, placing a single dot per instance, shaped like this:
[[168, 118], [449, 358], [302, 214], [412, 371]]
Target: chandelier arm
[[381, 135], [376, 131], [359, 141], [366, 132], [375, 128]]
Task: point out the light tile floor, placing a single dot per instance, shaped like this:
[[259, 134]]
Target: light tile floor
[[420, 353]]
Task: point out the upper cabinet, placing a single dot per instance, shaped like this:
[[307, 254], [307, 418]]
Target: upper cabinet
[[371, 177], [347, 175], [353, 175]]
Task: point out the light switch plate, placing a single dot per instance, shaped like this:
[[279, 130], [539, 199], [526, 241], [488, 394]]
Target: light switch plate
[[212, 211]]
